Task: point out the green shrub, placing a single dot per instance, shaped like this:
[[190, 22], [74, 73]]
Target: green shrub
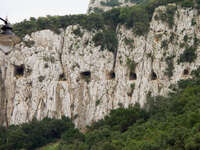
[[189, 55], [164, 44], [192, 143], [98, 102], [196, 73], [185, 38], [196, 42], [136, 17], [198, 4], [193, 22], [135, 1], [98, 10], [182, 45], [71, 135], [132, 86], [188, 3], [172, 37], [112, 19], [54, 23], [121, 118], [33, 134], [41, 78], [78, 32], [168, 15], [107, 40], [170, 66], [129, 42]]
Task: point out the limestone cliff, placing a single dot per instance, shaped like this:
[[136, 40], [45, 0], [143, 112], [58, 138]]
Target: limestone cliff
[[104, 5], [68, 75]]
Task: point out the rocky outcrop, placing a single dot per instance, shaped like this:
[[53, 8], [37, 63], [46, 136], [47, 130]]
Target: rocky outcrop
[[67, 75], [105, 5]]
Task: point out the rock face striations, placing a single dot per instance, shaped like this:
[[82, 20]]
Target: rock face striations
[[67, 74]]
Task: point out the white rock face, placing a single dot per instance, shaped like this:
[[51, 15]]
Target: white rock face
[[105, 5], [67, 75]]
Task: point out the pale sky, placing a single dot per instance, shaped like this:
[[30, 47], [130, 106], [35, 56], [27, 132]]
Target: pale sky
[[18, 10]]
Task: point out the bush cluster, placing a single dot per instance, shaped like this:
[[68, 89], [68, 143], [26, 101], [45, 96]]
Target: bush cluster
[[167, 16], [170, 66], [55, 23], [189, 55], [29, 136], [106, 39], [78, 32]]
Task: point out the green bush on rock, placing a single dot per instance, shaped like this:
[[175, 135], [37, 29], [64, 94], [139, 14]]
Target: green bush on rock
[[189, 55], [33, 134], [106, 39]]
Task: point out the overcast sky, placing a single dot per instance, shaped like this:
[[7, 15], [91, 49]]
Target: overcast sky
[[18, 10]]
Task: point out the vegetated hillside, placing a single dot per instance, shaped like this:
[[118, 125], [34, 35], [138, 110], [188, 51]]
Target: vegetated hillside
[[166, 123], [33, 134], [137, 17]]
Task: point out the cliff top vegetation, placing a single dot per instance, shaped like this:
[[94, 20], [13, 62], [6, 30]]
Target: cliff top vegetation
[[137, 17]]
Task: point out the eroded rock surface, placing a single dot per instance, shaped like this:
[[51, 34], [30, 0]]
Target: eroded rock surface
[[67, 75]]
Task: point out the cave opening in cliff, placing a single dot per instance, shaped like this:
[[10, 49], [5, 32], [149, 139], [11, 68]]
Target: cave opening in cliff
[[19, 70], [185, 72], [153, 76], [62, 77], [111, 75], [86, 75], [133, 76]]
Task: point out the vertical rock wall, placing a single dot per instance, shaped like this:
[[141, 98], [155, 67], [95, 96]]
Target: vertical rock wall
[[67, 75]]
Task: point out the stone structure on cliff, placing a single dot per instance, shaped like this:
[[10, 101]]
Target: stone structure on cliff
[[67, 75]]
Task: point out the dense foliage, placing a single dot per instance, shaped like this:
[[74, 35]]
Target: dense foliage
[[135, 1], [104, 24], [106, 39], [166, 123], [54, 23], [28, 136], [189, 55], [170, 66], [137, 17], [167, 16]]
